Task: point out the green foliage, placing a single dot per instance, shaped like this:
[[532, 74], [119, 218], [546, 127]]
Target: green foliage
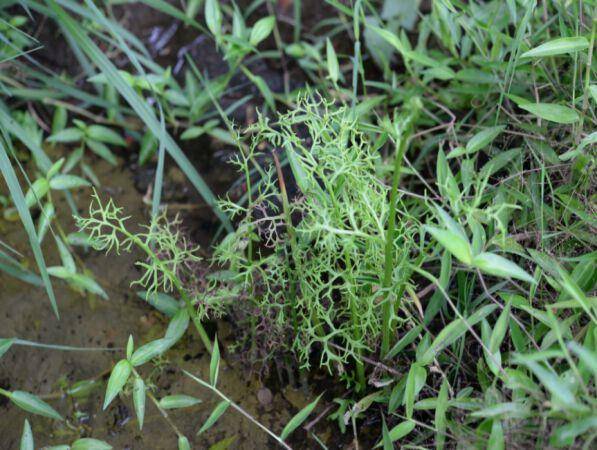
[[424, 230]]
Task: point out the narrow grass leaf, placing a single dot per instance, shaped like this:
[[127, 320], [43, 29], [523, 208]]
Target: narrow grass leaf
[[27, 437], [19, 201], [145, 113], [500, 267], [262, 29], [452, 242], [332, 62], [214, 364], [559, 46], [178, 401], [90, 444], [214, 416], [298, 419], [118, 378], [33, 404], [552, 112], [139, 400]]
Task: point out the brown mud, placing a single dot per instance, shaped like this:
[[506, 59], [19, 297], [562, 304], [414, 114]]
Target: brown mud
[[87, 321]]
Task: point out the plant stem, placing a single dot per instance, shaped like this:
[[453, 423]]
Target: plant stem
[[402, 139], [239, 409]]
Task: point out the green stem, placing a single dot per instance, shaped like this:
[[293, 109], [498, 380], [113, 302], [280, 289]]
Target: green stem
[[402, 139]]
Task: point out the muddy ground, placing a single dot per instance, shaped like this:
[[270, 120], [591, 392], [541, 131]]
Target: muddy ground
[[87, 321]]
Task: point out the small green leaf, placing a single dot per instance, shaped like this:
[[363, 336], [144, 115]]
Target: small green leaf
[[149, 351], [214, 416], [130, 346], [177, 326], [262, 29], [415, 381], [33, 404], [214, 364], [500, 267], [401, 430], [496, 438], [483, 139], [298, 419], [213, 17], [64, 182], [67, 135], [178, 401], [118, 378], [559, 46], [452, 242], [37, 192], [27, 437], [90, 444], [55, 168], [453, 331], [104, 134], [552, 112], [183, 443], [139, 400], [5, 345], [332, 62], [102, 150]]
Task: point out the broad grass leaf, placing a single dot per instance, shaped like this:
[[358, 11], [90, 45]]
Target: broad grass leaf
[[500, 267], [405, 340], [415, 381], [559, 389], [214, 416], [90, 444], [33, 404], [178, 401], [102, 150], [298, 419], [105, 135], [118, 378], [214, 364], [452, 242], [262, 29], [440, 416], [483, 138], [5, 345], [559, 46], [27, 437], [183, 443], [162, 302], [565, 435], [39, 188], [87, 283], [385, 437], [505, 410], [177, 326], [332, 62], [496, 437], [149, 351], [453, 331], [213, 17], [67, 135], [587, 356], [65, 181], [401, 430], [552, 112], [139, 400]]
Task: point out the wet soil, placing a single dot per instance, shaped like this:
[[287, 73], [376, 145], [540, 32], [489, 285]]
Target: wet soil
[[91, 322]]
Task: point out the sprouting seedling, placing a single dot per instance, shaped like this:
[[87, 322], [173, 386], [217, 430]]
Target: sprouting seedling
[[94, 137], [171, 261]]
